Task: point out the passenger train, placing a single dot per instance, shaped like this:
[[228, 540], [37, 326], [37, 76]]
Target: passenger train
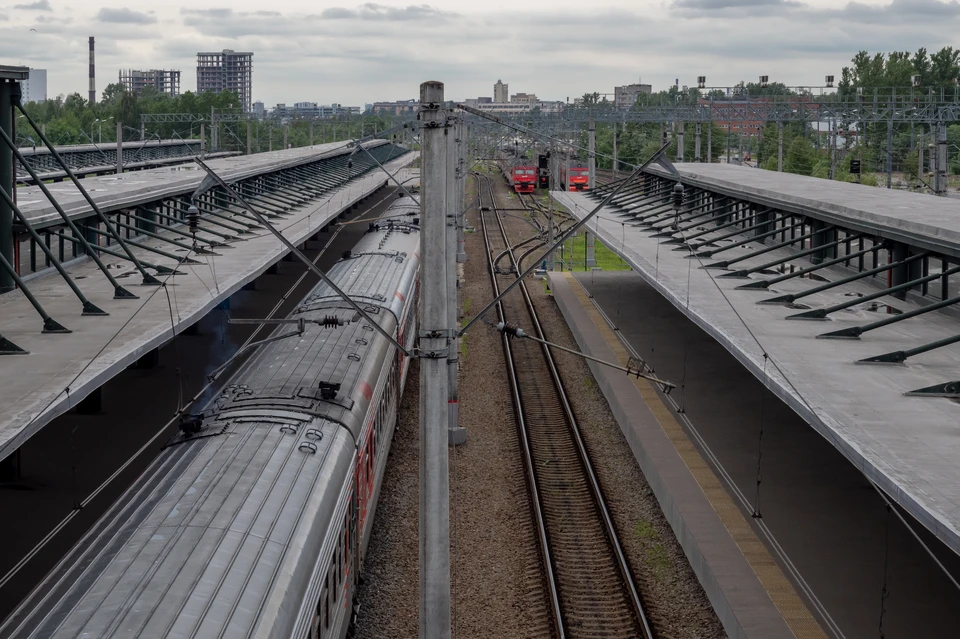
[[254, 520], [576, 177], [523, 178]]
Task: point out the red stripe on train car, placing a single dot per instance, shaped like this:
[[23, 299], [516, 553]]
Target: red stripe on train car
[[366, 390], [400, 295]]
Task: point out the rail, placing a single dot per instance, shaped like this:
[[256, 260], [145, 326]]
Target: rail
[[591, 588]]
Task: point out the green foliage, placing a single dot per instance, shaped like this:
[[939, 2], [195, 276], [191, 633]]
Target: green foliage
[[74, 121]]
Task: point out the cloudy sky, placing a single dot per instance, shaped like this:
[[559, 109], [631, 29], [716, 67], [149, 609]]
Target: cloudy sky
[[355, 53]]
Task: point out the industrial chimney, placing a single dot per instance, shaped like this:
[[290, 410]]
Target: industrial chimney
[[93, 76]]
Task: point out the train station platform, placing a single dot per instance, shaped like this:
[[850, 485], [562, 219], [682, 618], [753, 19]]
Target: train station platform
[[749, 592], [61, 369], [907, 445]]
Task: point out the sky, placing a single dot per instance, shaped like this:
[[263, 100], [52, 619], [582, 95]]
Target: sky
[[356, 53]]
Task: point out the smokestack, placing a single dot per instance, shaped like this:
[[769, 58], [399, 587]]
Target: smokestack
[[93, 76]]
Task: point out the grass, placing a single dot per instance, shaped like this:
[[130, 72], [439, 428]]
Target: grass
[[574, 254], [657, 558]]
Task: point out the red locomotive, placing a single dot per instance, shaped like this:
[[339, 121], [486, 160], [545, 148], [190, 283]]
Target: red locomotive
[[579, 178], [523, 178]]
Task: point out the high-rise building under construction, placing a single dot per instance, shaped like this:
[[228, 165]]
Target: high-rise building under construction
[[163, 80], [227, 70]]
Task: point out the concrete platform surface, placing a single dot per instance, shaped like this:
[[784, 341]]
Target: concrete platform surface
[[907, 445], [112, 192], [915, 218], [748, 591], [61, 369]]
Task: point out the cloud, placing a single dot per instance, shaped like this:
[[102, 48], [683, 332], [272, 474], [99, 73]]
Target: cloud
[[39, 5], [373, 11], [716, 5], [125, 16]]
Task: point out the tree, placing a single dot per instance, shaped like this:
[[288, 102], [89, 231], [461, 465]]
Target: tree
[[800, 156], [112, 94]]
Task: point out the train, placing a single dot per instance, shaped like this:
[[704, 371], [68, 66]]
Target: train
[[254, 519], [523, 178], [576, 177]]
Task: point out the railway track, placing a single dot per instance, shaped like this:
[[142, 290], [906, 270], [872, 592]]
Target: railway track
[[590, 587]]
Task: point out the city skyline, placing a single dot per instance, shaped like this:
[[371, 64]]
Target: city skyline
[[331, 52]]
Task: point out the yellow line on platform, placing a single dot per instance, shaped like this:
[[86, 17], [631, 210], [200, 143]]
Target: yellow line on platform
[[781, 591]]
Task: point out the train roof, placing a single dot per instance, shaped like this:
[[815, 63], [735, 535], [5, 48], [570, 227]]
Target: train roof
[[222, 534]]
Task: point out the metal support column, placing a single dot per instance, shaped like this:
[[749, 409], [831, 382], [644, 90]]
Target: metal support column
[[592, 154], [434, 469], [7, 178], [119, 148], [203, 141], [311, 132], [249, 137], [286, 131]]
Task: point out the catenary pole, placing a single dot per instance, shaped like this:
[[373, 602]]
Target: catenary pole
[[452, 138], [434, 471]]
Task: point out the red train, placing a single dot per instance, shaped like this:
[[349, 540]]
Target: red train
[[523, 178], [579, 178]]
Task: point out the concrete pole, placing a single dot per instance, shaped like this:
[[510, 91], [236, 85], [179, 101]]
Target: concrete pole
[[920, 143], [779, 146], [615, 159], [311, 132], [550, 229], [203, 141], [709, 142], [434, 469], [832, 141], [7, 181], [592, 154], [213, 129], [696, 144], [590, 260], [889, 153], [119, 148], [680, 130], [270, 137], [249, 137], [455, 434], [462, 163], [143, 131], [942, 187], [286, 128], [728, 143]]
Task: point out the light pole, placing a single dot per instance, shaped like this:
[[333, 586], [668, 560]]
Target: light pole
[[99, 124]]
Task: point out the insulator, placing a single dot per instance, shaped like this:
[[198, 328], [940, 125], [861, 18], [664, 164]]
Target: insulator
[[677, 196], [510, 330], [330, 321], [193, 218]]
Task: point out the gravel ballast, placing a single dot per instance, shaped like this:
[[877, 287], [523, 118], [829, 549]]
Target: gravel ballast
[[496, 581]]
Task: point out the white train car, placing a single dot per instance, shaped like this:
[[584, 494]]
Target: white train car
[[255, 523]]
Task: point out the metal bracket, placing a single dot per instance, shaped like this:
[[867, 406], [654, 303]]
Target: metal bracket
[[449, 333], [440, 353], [950, 390]]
